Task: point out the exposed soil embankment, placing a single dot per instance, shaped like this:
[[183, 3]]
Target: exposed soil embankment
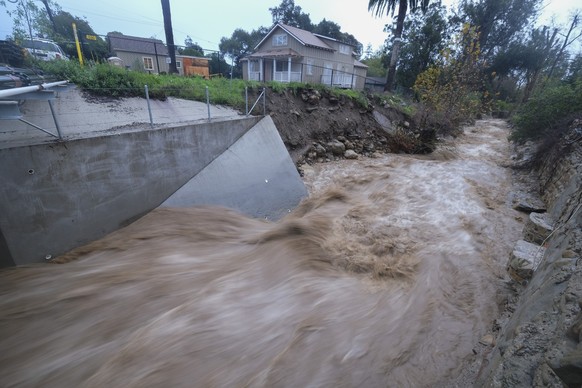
[[540, 344], [319, 127]]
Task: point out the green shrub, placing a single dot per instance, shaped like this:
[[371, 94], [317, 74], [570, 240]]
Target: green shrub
[[542, 114]]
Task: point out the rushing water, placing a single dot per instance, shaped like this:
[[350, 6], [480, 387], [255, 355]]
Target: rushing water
[[387, 275]]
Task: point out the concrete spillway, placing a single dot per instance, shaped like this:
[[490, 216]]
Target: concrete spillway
[[58, 196]]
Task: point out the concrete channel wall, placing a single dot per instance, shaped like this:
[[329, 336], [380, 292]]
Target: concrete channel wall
[[59, 196]]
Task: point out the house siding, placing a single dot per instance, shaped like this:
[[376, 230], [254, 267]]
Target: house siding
[[342, 71], [134, 61]]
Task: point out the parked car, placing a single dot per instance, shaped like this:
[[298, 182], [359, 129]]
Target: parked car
[[43, 49]]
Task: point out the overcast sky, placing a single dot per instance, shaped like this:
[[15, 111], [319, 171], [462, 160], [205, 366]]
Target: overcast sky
[[208, 20]]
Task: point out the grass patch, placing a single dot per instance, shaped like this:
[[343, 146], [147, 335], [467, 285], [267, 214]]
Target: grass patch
[[112, 81]]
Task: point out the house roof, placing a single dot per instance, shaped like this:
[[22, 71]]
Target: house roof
[[306, 38], [136, 44], [334, 39], [359, 64]]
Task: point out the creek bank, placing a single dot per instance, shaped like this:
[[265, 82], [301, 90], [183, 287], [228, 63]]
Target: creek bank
[[317, 126], [539, 342]]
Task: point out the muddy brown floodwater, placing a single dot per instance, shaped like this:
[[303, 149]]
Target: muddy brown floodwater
[[387, 275]]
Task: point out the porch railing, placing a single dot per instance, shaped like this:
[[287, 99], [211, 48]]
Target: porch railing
[[255, 76], [283, 76], [342, 80], [325, 75]]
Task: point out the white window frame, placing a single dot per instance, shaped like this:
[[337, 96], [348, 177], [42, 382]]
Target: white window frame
[[280, 40], [344, 49], [151, 61], [178, 64]]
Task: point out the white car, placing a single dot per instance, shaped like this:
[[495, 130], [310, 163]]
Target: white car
[[44, 50]]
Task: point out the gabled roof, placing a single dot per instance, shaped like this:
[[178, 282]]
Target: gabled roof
[[136, 44], [306, 38], [334, 39], [359, 64]]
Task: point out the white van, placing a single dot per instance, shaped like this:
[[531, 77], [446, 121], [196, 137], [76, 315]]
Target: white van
[[43, 49]]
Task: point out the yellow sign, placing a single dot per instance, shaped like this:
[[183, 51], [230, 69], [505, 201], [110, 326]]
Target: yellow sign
[[90, 37]]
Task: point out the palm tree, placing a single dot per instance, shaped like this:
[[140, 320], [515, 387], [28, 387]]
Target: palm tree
[[388, 7]]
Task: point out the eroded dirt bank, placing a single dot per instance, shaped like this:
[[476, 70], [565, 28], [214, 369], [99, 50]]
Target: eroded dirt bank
[[540, 345], [389, 274]]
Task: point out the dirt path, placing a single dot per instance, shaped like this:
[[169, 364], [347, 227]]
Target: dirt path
[[387, 275]]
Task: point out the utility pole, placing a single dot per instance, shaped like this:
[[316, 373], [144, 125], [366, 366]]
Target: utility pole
[[50, 14], [169, 36]]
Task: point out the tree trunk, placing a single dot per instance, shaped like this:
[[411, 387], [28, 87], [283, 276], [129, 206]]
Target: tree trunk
[[566, 43], [390, 78], [169, 36]]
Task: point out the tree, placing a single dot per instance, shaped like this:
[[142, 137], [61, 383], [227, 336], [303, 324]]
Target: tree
[[452, 88], [375, 63], [425, 36], [380, 7], [25, 16], [333, 30], [59, 29], [191, 48], [240, 44], [289, 13], [218, 65], [499, 22], [169, 36]]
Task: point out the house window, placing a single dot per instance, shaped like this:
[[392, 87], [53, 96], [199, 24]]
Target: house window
[[344, 49], [178, 64], [148, 63], [280, 40], [309, 67]]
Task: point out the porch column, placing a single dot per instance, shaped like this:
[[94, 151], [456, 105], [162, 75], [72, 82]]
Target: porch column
[[289, 69], [261, 75], [274, 67], [249, 69]]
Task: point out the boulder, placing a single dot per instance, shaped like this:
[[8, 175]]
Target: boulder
[[350, 154], [524, 260], [336, 147], [369, 147], [538, 228], [319, 149], [529, 204], [487, 340]]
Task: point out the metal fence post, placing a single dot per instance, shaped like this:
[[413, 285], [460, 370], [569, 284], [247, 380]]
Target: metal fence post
[[208, 102], [55, 119], [246, 100], [147, 93], [264, 102]]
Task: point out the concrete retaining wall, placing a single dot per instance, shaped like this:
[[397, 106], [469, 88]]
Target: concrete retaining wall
[[255, 176], [59, 196]]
